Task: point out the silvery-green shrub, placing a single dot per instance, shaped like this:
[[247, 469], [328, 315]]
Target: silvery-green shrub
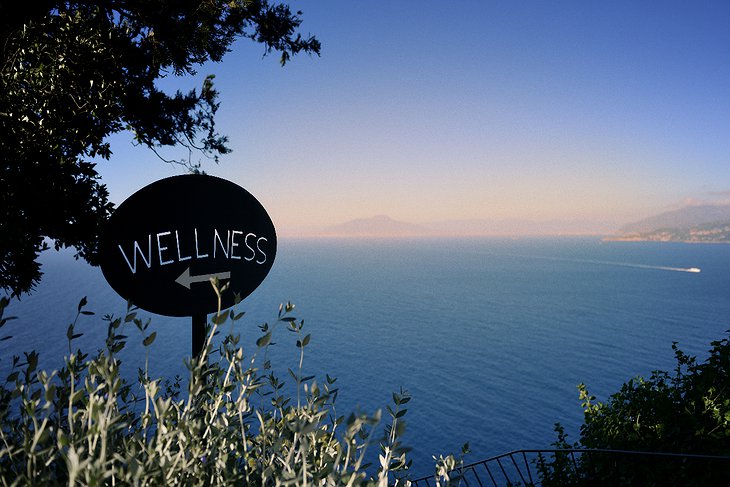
[[234, 424]]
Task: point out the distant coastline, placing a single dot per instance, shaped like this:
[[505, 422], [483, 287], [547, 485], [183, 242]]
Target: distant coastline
[[707, 233], [692, 224], [618, 238]]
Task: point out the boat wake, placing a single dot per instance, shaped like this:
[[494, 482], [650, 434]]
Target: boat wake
[[605, 262]]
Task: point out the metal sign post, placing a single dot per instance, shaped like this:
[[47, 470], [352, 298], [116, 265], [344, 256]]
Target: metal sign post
[[198, 332]]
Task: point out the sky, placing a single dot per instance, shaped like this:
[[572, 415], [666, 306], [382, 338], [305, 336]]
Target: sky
[[600, 113]]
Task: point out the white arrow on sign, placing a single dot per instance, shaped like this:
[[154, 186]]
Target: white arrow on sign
[[186, 279]]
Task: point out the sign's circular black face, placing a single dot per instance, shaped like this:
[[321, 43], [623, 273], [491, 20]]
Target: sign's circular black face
[[163, 244]]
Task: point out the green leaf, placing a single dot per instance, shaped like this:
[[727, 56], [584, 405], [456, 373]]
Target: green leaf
[[4, 320], [219, 319], [32, 359], [264, 340], [62, 439], [50, 393], [150, 339], [465, 448]]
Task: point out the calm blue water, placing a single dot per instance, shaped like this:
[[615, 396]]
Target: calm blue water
[[490, 336]]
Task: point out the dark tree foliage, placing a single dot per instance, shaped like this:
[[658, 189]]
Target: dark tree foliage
[[75, 72], [686, 411]]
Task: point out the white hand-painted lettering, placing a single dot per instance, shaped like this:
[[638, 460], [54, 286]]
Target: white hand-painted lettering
[[253, 252], [217, 237], [180, 257], [197, 248], [160, 248], [136, 250], [225, 245], [258, 246], [234, 244]]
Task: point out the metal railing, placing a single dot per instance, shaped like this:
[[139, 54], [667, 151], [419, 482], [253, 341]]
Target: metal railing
[[520, 467]]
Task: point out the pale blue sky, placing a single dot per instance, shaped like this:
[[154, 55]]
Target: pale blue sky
[[604, 111]]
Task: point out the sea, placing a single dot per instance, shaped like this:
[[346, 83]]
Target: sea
[[490, 336]]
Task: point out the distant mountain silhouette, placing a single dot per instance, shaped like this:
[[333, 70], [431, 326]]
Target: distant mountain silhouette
[[513, 227], [682, 219], [384, 226], [377, 226]]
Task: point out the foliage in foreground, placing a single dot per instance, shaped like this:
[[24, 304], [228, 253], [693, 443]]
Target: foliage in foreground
[[235, 424], [687, 411]]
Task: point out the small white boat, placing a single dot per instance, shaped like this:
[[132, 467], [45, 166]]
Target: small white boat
[[694, 269]]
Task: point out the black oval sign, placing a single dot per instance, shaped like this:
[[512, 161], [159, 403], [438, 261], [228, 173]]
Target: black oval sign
[[163, 244]]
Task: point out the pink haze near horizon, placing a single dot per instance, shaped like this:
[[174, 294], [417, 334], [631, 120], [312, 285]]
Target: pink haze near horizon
[[595, 113]]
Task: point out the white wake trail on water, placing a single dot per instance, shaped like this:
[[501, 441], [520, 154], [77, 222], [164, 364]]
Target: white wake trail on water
[[605, 262]]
